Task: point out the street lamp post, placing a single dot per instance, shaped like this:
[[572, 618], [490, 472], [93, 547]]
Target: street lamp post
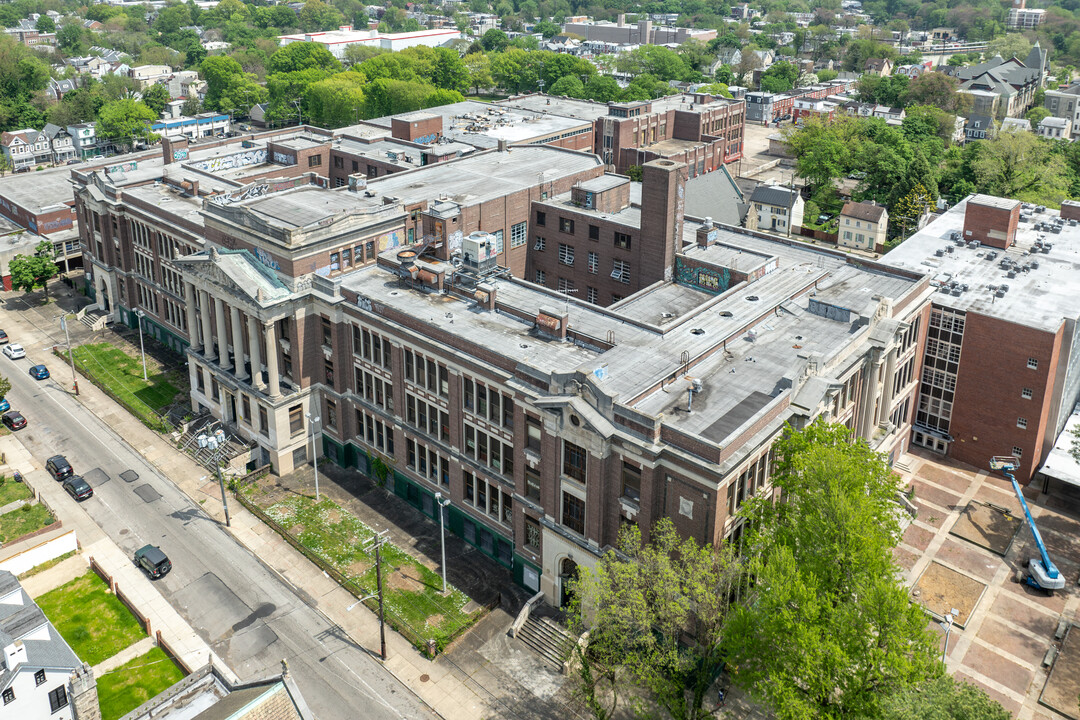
[[442, 504], [71, 353], [216, 443], [142, 348], [950, 617], [314, 452]]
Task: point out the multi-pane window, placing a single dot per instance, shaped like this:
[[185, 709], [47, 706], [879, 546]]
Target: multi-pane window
[[264, 422], [573, 513], [427, 417], [541, 243], [1026, 393], [1017, 452], [532, 483], [541, 218], [631, 482], [58, 698], [426, 373], [327, 330], [374, 389], [375, 432], [594, 232], [489, 450], [622, 241], [1021, 422], [39, 678], [592, 295], [518, 234], [532, 441], [427, 462], [574, 461], [372, 347], [541, 277], [330, 416], [1033, 363], [489, 498], [594, 263], [487, 402], [532, 534], [9, 696], [566, 225], [566, 254], [296, 420], [565, 285], [621, 271]]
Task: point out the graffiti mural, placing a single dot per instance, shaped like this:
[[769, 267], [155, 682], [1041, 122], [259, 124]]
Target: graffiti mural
[[283, 159], [713, 280], [123, 167], [231, 162], [455, 240], [388, 241], [181, 154], [265, 187]]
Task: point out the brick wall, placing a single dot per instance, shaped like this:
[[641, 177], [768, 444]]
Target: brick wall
[[991, 225]]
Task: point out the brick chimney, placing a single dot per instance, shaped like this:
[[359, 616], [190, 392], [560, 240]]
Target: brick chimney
[[663, 191], [174, 149], [991, 221], [706, 234]]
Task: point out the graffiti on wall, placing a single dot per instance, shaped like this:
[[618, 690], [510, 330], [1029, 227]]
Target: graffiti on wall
[[455, 240], [284, 159], [180, 154], [265, 187], [713, 280], [388, 241], [231, 162], [122, 167], [54, 225], [266, 259]]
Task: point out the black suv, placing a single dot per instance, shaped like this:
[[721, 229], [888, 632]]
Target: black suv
[[59, 467], [78, 488], [153, 561]]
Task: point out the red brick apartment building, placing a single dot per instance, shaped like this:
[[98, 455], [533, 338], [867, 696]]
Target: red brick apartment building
[[547, 420], [1001, 371], [697, 129]]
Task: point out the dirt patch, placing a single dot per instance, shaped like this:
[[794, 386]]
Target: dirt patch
[[297, 530], [434, 621], [334, 516], [986, 527], [940, 589], [284, 511], [358, 568], [398, 580]]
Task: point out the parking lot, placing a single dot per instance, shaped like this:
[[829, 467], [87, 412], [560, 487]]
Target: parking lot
[[962, 551]]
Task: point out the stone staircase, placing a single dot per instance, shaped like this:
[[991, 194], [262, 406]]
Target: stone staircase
[[207, 424], [547, 639], [95, 319]]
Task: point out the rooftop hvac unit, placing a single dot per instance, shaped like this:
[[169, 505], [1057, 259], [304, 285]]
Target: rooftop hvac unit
[[479, 252]]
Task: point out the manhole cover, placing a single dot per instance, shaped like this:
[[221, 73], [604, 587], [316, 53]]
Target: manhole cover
[[129, 476], [95, 477], [424, 678], [147, 493]]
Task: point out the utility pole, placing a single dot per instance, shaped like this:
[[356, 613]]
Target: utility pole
[[71, 354], [377, 542]]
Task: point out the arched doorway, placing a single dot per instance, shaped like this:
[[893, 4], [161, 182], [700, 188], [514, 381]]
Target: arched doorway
[[568, 572]]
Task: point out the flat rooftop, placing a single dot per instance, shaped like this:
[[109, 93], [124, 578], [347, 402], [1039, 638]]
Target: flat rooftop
[[589, 110], [484, 176], [1042, 291], [485, 124], [745, 372], [307, 205], [38, 192]]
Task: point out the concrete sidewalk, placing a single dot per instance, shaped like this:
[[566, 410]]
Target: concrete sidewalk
[[180, 637]]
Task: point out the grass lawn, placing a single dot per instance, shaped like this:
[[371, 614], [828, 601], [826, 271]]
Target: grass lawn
[[122, 375], [23, 521], [411, 590], [93, 621], [127, 687], [10, 491]]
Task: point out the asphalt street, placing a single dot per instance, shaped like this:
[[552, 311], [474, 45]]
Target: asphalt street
[[245, 611]]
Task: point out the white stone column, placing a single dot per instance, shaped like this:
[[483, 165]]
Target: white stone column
[[222, 335], [256, 353], [207, 329], [272, 359], [194, 339], [238, 343]]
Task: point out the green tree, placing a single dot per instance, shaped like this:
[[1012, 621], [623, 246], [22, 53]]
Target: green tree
[[479, 68], [1036, 115], [602, 88], [568, 86], [830, 630], [494, 40], [303, 56], [941, 698], [317, 15], [823, 151], [448, 71], [1012, 45], [547, 28], [1022, 166], [5, 168], [356, 54], [827, 75], [907, 211], [156, 97], [45, 24], [69, 37], [125, 120], [5, 387], [939, 90], [33, 271], [336, 101], [779, 78], [639, 603]]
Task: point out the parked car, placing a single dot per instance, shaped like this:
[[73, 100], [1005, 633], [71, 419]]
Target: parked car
[[14, 420], [3, 338], [39, 372], [153, 561], [15, 351], [78, 488], [4, 405], [59, 467]]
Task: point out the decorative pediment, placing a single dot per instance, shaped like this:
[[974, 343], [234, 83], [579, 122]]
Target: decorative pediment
[[235, 274]]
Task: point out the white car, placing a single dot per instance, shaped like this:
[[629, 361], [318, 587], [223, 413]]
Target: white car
[[14, 351]]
